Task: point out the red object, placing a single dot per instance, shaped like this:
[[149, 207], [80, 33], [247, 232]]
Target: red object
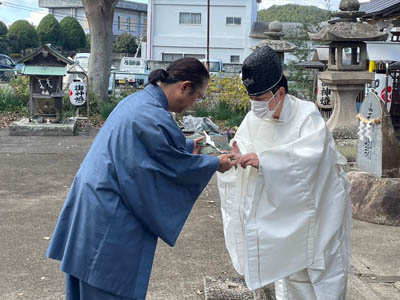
[[389, 94], [70, 92]]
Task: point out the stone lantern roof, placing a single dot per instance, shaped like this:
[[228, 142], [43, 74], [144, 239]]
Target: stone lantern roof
[[273, 39], [347, 28]]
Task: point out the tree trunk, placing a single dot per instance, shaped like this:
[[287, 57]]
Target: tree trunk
[[100, 16]]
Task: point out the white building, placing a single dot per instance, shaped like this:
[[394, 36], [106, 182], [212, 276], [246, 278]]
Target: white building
[[129, 16], [178, 28]]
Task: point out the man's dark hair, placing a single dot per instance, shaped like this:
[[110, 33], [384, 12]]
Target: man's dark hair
[[184, 69], [282, 83]]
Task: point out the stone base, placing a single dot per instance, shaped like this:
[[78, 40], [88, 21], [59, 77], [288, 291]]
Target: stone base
[[375, 200], [234, 289], [348, 148], [25, 128]]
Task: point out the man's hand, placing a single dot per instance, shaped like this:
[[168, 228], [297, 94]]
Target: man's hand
[[196, 148], [226, 162], [249, 159]]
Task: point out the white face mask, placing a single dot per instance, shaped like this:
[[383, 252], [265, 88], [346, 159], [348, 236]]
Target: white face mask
[[261, 108]]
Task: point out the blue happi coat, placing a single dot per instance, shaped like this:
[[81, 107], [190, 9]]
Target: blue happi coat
[[138, 182]]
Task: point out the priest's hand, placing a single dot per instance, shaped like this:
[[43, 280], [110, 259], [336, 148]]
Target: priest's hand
[[226, 162], [249, 159], [235, 150], [196, 148]]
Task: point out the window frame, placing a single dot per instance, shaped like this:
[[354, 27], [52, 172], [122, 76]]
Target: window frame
[[191, 15], [172, 54], [235, 62], [233, 23]]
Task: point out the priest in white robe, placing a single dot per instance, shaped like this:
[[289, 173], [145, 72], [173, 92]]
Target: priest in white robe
[[286, 209]]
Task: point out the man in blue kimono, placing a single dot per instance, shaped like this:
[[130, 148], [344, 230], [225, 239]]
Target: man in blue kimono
[[138, 182]]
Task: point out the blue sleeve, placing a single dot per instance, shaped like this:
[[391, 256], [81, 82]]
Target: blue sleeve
[[189, 145], [159, 180]]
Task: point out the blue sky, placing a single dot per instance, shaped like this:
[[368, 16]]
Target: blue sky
[[12, 10]]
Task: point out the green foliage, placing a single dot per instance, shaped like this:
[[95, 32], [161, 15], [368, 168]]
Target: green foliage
[[125, 43], [4, 44], [49, 31], [22, 35], [3, 29], [68, 109], [88, 44], [74, 35], [300, 80], [3, 38], [20, 87], [294, 13], [226, 100], [10, 102], [125, 91], [228, 90], [105, 109]]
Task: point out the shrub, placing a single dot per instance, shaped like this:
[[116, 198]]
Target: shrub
[[22, 35], [105, 109], [74, 35], [49, 31], [228, 90], [226, 100], [125, 43], [20, 86], [10, 102]]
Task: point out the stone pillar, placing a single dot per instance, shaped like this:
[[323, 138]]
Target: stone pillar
[[345, 87]]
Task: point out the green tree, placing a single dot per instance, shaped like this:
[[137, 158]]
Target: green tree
[[74, 35], [87, 47], [3, 38], [49, 31], [294, 13], [125, 43], [22, 35], [300, 79], [3, 29]]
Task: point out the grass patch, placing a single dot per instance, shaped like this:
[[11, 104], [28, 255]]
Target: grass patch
[[10, 102]]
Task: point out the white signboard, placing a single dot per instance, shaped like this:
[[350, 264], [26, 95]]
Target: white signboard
[[369, 154], [77, 93], [378, 88]]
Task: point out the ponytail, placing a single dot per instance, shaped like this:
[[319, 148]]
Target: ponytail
[[158, 75], [184, 69]]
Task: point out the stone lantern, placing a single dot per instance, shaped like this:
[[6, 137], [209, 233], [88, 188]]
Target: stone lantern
[[346, 76], [273, 40]]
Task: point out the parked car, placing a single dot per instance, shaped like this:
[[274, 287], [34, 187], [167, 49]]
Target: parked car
[[216, 66], [133, 71], [83, 60], [6, 63]]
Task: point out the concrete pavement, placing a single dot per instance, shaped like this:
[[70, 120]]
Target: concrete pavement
[[35, 175]]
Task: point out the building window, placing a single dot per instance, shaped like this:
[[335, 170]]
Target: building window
[[171, 56], [132, 24], [233, 21], [123, 23], [235, 58], [189, 18], [198, 56], [145, 26]]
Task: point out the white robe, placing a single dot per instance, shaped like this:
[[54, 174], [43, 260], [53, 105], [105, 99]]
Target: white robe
[[280, 219]]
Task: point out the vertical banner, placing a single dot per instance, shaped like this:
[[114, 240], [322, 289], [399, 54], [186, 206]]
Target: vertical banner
[[378, 88]]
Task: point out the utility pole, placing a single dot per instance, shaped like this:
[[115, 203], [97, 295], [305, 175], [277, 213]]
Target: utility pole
[[208, 35]]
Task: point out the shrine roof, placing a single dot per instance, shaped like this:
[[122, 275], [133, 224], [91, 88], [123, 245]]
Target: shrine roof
[[44, 70]]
